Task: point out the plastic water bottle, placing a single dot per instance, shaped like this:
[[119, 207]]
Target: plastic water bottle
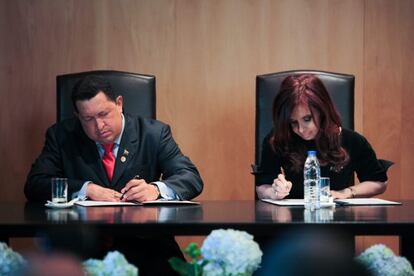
[[311, 177]]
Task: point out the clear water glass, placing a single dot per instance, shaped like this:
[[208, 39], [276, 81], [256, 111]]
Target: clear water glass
[[325, 189], [59, 190]]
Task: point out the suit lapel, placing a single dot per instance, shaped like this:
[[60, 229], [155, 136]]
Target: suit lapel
[[127, 149], [90, 155]]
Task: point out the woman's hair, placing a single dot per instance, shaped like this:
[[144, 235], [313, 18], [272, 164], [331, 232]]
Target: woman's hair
[[309, 90]]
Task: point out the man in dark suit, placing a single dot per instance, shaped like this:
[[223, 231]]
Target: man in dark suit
[[148, 164]]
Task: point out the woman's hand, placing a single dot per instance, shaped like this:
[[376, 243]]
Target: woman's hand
[[342, 194], [278, 190], [281, 187], [363, 189]]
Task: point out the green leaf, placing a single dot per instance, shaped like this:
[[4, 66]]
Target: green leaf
[[179, 265], [183, 268], [193, 251]]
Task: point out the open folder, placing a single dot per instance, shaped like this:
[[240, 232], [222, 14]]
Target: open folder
[[349, 201], [93, 203]]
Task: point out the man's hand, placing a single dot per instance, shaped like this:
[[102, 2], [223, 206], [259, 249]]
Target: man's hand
[[139, 190], [96, 192]]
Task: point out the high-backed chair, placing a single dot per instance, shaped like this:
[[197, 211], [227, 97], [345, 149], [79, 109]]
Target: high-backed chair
[[137, 90], [340, 87]]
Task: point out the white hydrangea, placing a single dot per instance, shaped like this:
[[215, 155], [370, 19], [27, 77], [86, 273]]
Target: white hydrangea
[[230, 252], [114, 263], [11, 262], [380, 260]]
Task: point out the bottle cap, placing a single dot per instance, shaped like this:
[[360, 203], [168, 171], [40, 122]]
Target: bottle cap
[[312, 152]]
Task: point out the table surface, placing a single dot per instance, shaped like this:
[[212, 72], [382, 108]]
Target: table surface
[[256, 217]]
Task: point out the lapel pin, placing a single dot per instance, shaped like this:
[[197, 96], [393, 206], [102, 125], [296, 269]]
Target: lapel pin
[[124, 155]]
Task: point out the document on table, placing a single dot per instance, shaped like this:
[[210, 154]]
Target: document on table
[[294, 202], [349, 201], [94, 203], [366, 201]]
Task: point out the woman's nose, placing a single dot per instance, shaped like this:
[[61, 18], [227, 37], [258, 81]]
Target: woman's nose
[[301, 128]]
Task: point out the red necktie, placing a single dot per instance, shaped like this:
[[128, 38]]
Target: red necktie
[[108, 160]]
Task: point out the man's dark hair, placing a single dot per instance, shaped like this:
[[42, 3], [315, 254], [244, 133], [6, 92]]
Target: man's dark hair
[[89, 86]]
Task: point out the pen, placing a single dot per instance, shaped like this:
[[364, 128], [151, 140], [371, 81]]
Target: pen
[[284, 175], [135, 177]]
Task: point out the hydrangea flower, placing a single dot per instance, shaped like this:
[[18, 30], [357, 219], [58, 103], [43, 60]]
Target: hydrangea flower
[[11, 262], [380, 260], [230, 252], [114, 263]]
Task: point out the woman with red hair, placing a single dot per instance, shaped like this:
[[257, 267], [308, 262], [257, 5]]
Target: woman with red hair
[[305, 118]]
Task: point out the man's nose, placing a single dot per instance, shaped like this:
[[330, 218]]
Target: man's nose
[[99, 124]]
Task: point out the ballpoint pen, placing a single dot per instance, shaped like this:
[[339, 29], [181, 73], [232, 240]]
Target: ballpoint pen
[[284, 175]]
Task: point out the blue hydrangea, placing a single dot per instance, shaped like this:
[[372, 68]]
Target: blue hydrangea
[[230, 252], [380, 260], [114, 263], [11, 262]]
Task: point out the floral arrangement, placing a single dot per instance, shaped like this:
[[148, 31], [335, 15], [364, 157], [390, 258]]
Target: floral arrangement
[[380, 260], [114, 263], [11, 262], [224, 252]]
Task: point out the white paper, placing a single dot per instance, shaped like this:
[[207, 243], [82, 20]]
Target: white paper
[[94, 203], [295, 202], [349, 201], [172, 202], [366, 201]]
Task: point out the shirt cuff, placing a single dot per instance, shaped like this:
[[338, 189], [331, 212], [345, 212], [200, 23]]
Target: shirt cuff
[[81, 194], [165, 191]]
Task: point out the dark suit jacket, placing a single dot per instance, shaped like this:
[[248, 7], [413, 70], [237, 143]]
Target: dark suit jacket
[[147, 145]]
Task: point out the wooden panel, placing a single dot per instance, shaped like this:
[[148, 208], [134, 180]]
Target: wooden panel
[[231, 42], [388, 99], [206, 55], [363, 242], [388, 83]]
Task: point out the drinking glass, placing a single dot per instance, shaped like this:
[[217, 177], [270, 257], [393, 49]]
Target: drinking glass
[[324, 188], [59, 190]]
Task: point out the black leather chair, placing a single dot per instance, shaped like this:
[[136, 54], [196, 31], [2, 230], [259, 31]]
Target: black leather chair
[[386, 163], [340, 87], [137, 90]]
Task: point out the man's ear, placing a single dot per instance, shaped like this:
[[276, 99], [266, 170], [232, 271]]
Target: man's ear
[[119, 102]]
